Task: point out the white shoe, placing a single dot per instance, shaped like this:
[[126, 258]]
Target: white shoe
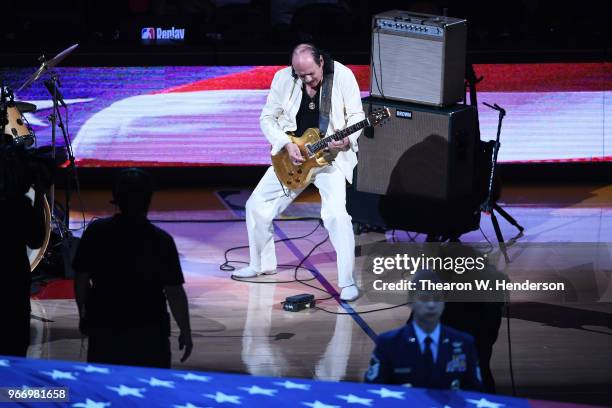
[[249, 272], [349, 293]]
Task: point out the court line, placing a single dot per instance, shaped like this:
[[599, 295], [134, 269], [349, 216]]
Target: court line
[[325, 283], [313, 270]]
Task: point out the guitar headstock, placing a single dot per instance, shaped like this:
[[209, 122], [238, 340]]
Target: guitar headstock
[[379, 115]]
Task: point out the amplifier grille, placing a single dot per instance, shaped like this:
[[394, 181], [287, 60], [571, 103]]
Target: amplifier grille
[[410, 64]]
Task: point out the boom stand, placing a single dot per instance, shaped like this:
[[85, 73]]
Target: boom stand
[[490, 206], [56, 118]]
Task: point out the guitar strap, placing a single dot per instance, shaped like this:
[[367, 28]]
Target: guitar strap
[[326, 94]]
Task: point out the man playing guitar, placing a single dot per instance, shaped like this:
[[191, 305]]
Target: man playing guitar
[[315, 92]]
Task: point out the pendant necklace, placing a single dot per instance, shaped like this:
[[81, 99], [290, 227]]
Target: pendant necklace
[[311, 105]]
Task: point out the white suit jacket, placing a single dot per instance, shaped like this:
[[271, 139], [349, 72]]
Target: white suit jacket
[[283, 103]]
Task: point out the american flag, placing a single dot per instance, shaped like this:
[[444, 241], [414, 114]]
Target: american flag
[[101, 386]]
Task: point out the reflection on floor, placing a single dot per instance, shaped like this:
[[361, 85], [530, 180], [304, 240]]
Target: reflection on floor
[[559, 352]]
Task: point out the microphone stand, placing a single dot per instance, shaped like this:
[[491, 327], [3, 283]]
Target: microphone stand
[[489, 206], [56, 118]]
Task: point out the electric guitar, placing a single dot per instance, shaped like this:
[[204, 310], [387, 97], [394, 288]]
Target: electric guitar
[[314, 150]]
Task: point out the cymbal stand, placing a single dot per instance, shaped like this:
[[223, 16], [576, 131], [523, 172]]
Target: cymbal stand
[[53, 86], [53, 119], [56, 121]]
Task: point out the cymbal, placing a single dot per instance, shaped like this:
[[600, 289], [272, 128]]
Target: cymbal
[[45, 65], [59, 57], [25, 107]]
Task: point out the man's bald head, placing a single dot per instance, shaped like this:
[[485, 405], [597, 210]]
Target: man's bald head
[[307, 52], [307, 63]]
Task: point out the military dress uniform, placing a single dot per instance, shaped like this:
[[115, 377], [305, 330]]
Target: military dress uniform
[[400, 358]]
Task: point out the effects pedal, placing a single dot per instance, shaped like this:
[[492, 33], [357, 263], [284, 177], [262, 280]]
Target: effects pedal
[[299, 302]]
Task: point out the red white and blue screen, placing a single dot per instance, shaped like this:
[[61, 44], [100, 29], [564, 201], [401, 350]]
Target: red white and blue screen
[[209, 115]]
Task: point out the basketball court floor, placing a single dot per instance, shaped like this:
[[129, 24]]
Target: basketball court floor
[[559, 350]]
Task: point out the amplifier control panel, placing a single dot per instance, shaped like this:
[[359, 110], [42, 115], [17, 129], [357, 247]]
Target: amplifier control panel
[[407, 27]]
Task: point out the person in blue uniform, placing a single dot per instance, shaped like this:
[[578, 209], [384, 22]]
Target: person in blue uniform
[[425, 353]]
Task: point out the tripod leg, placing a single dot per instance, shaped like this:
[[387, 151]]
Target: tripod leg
[[500, 237], [508, 217]]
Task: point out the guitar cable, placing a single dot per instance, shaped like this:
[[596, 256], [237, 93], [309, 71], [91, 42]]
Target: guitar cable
[[379, 86], [283, 187], [225, 266]]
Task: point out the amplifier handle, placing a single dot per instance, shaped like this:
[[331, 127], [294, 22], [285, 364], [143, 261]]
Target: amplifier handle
[[420, 15]]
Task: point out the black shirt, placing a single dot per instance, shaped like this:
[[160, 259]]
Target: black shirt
[[21, 226], [129, 261], [306, 117]]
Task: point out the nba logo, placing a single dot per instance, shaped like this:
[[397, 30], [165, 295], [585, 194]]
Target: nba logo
[[147, 33]]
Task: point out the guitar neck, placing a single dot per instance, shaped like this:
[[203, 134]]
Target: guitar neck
[[322, 144]]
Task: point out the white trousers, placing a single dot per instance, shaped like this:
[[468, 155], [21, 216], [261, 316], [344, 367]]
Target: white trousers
[[269, 200]]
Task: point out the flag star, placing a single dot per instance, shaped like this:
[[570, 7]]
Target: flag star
[[293, 386], [123, 391], [93, 369], [353, 399], [484, 403], [154, 382], [188, 405], [194, 377], [319, 404], [255, 390], [60, 375], [386, 393], [4, 363], [91, 404], [221, 397]]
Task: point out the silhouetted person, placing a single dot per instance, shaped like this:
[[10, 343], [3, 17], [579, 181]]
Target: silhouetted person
[[126, 269], [482, 321], [481, 318], [22, 224], [425, 353]]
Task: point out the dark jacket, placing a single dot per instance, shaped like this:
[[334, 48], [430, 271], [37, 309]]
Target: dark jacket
[[397, 359]]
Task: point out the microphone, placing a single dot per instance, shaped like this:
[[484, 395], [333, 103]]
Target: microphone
[[54, 91]]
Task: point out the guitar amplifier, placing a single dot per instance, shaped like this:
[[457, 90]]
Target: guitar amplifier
[[419, 172], [423, 151], [418, 58]]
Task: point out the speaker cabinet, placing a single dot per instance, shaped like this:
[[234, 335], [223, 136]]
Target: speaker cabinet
[[422, 151], [418, 57], [429, 216]]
